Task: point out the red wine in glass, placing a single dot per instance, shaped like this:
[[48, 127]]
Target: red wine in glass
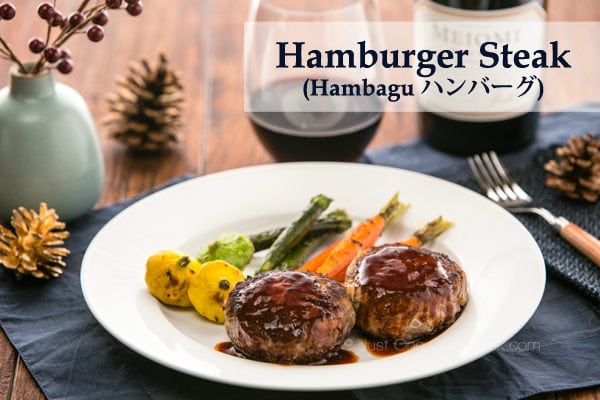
[[311, 136]]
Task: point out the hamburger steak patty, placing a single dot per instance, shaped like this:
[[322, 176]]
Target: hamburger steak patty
[[288, 316], [405, 293]]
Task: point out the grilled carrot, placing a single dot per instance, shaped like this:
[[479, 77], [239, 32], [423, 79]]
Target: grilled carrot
[[412, 241], [315, 262], [363, 236], [341, 276], [391, 209]]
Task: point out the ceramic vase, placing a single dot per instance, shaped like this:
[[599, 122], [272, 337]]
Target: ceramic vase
[[49, 148]]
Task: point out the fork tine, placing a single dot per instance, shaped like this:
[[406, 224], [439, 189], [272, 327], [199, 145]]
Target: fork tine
[[503, 172], [484, 166], [498, 175], [480, 181], [483, 178]]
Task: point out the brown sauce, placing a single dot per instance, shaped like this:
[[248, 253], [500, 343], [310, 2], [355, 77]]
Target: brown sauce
[[385, 348], [282, 305], [403, 269], [341, 357], [229, 349]]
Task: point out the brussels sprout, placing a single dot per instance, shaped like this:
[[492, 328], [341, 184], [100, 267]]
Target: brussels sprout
[[234, 248]]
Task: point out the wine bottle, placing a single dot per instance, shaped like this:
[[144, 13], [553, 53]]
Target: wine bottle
[[467, 133]]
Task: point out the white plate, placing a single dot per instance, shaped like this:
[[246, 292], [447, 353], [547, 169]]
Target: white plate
[[504, 267]]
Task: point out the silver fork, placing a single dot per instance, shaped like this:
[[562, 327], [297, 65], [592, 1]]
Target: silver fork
[[494, 179]]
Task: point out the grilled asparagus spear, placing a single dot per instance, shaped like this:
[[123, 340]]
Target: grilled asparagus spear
[[296, 257], [294, 232], [336, 221]]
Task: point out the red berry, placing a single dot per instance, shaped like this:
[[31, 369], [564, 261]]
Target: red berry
[[57, 19], [75, 19], [45, 11], [52, 54], [101, 18], [65, 66], [135, 9], [36, 45], [65, 53], [95, 33], [114, 3], [131, 1], [7, 11]]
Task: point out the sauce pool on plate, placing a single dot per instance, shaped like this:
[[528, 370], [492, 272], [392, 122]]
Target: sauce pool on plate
[[341, 357]]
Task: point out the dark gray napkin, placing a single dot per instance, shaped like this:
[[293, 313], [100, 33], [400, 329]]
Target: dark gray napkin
[[72, 357]]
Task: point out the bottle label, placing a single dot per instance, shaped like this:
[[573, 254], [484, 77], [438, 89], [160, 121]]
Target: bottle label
[[443, 27]]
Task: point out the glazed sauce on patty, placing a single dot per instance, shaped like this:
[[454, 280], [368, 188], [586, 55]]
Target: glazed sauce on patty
[[414, 271], [283, 306]]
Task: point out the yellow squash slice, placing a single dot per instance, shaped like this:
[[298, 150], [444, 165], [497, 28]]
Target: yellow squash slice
[[168, 274], [210, 287]]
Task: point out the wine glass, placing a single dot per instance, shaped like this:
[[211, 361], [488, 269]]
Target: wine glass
[[290, 127]]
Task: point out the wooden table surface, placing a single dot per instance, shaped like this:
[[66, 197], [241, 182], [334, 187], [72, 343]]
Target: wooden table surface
[[203, 39]]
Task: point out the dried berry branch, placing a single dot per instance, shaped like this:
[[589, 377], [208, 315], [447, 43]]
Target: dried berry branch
[[83, 5], [69, 29], [8, 12], [88, 19], [12, 55]]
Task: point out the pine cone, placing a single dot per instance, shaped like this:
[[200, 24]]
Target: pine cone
[[577, 171], [145, 113], [35, 246]]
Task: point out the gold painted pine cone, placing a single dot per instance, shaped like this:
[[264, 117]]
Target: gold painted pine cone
[[34, 246]]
